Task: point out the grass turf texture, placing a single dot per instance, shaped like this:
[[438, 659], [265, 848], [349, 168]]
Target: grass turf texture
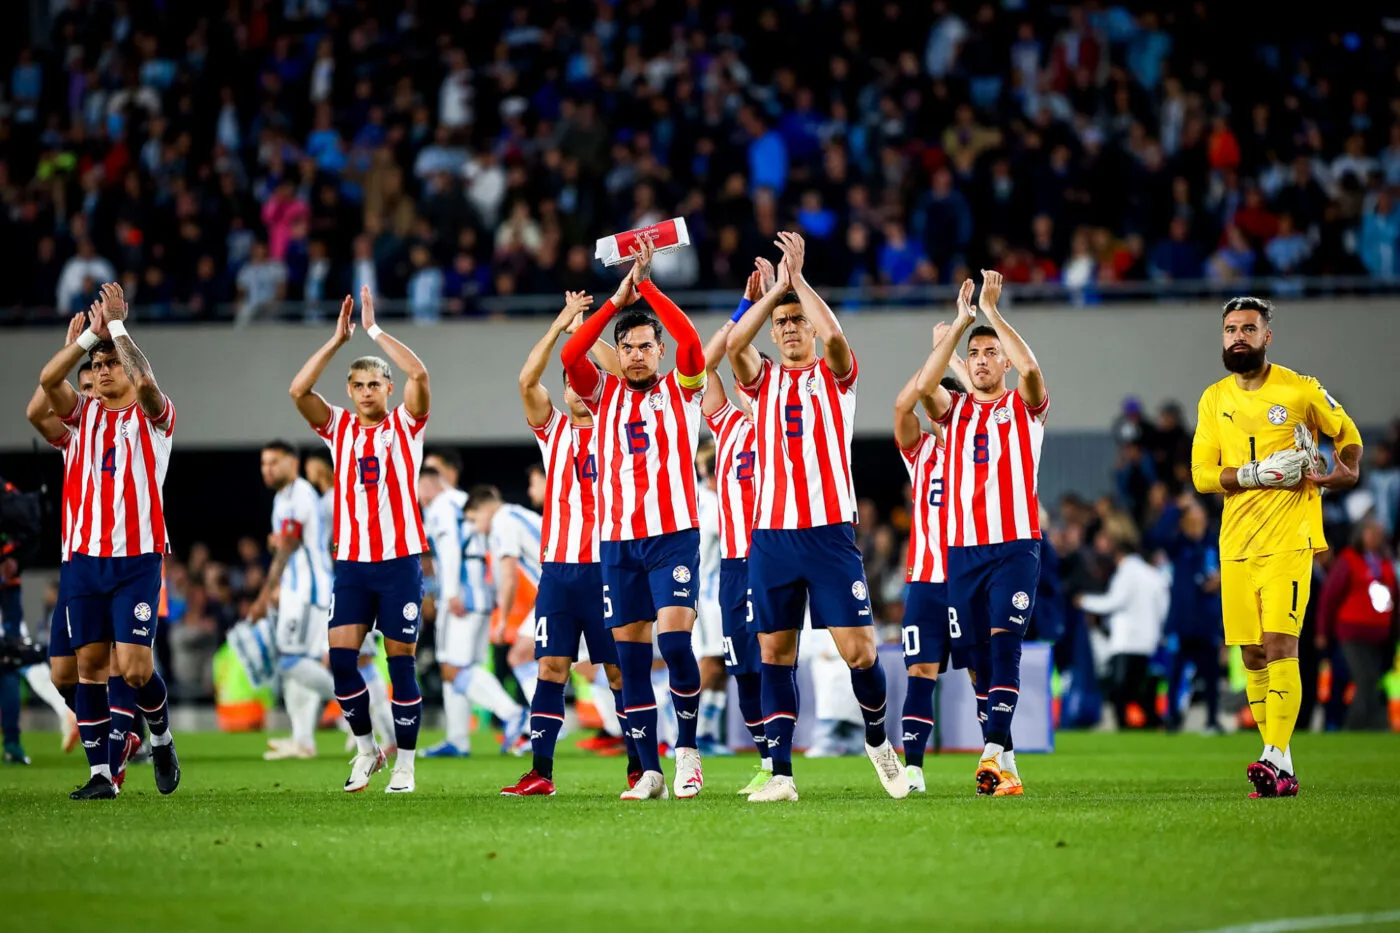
[[1140, 832]]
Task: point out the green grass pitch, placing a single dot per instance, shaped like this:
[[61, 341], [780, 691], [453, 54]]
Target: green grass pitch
[[1116, 832]]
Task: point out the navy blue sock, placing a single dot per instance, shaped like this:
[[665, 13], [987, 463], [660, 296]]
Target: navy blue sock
[[152, 700], [684, 672], [779, 705], [94, 719], [980, 673], [638, 700], [407, 702], [121, 701], [869, 686], [350, 690], [918, 719], [633, 762], [70, 696], [546, 719], [9, 706], [750, 688], [1005, 687]]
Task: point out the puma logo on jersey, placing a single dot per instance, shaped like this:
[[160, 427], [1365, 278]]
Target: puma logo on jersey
[[536, 734], [143, 632], [639, 732], [1003, 708], [910, 737], [1228, 414], [1280, 693], [685, 714]]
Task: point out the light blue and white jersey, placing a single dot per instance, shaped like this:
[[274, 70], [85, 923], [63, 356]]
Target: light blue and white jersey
[[707, 507], [515, 532], [478, 592], [296, 511], [442, 522]]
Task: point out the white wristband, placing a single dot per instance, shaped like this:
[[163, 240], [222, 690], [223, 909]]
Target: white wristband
[[87, 340], [116, 329], [374, 330]]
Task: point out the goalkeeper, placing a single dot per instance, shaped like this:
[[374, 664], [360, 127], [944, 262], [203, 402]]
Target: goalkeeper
[[1256, 442]]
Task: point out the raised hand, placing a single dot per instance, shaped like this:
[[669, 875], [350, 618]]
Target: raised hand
[[113, 302], [644, 252], [344, 327], [1342, 476], [575, 304], [765, 269], [97, 320], [940, 331], [76, 325], [366, 307], [794, 253], [991, 291], [754, 289], [965, 309], [784, 279]]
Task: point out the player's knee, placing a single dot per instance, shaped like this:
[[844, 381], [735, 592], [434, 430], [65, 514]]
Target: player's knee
[[1254, 657], [1278, 647], [556, 670], [136, 675], [614, 675], [63, 675], [929, 671], [861, 657]]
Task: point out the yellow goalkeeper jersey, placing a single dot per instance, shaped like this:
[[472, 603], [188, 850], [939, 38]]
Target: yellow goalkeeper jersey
[[1234, 427]]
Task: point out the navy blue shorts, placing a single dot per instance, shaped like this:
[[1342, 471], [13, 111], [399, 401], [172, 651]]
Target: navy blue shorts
[[642, 577], [386, 594], [991, 586], [569, 607], [59, 645], [111, 599], [741, 654], [788, 568], [926, 638]]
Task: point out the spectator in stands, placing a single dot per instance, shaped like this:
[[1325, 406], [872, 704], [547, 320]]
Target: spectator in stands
[[1382, 481], [425, 286], [262, 282], [1288, 250], [1357, 610], [1380, 234], [77, 283], [1234, 260], [1176, 257]]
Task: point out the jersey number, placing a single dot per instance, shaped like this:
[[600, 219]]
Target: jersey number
[[637, 440], [935, 492], [954, 629], [369, 471], [793, 415], [109, 463], [743, 469], [586, 467], [607, 603], [980, 451], [542, 631], [911, 641], [730, 660]]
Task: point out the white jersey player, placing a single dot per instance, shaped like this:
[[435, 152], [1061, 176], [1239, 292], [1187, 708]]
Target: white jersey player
[[708, 636]]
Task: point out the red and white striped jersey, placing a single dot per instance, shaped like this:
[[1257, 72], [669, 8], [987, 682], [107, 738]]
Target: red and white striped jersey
[[928, 545], [993, 466], [69, 498], [646, 456], [570, 533], [114, 467], [376, 485], [735, 471], [805, 418]]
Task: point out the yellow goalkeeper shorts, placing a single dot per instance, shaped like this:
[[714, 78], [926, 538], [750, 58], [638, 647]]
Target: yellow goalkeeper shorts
[[1264, 594]]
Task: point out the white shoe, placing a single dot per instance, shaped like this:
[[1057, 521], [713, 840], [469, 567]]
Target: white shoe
[[650, 786], [890, 771], [285, 748], [779, 787], [915, 775], [361, 767], [689, 777], [400, 781]]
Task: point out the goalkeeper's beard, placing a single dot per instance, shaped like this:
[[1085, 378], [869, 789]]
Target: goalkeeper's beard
[[1246, 360]]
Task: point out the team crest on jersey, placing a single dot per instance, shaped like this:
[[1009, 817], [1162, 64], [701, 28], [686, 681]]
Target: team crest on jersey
[[143, 612], [858, 589], [1001, 415], [1020, 600], [656, 401], [1278, 414], [681, 574], [125, 429], [813, 385], [410, 611]]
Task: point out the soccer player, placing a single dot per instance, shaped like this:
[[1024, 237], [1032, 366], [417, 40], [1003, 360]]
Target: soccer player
[[708, 636], [803, 545], [115, 543], [378, 534], [925, 626], [648, 429], [569, 605], [993, 438], [465, 599], [300, 576], [734, 472], [1255, 442]]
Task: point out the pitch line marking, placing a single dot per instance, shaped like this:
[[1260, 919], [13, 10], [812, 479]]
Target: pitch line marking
[[1333, 921]]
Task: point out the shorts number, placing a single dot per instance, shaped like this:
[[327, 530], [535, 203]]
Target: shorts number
[[109, 462], [743, 470], [911, 641], [935, 492], [607, 603], [369, 471], [586, 467], [542, 631], [793, 415], [1295, 595], [980, 451], [954, 629], [748, 603], [637, 440], [730, 660]]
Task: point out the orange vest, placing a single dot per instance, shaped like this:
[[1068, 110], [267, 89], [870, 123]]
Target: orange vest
[[1368, 601]]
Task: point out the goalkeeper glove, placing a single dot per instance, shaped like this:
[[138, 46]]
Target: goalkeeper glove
[[1281, 469], [1303, 439]]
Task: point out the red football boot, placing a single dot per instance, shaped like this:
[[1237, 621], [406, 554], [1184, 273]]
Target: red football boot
[[530, 785], [133, 745]]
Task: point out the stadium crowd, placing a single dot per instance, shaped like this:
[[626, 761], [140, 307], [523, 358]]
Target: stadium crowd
[[447, 152]]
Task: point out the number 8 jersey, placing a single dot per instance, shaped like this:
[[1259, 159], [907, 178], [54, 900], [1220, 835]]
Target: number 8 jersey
[[993, 452], [646, 456], [376, 485]]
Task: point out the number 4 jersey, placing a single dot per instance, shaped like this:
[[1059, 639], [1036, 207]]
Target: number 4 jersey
[[376, 485], [993, 451]]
